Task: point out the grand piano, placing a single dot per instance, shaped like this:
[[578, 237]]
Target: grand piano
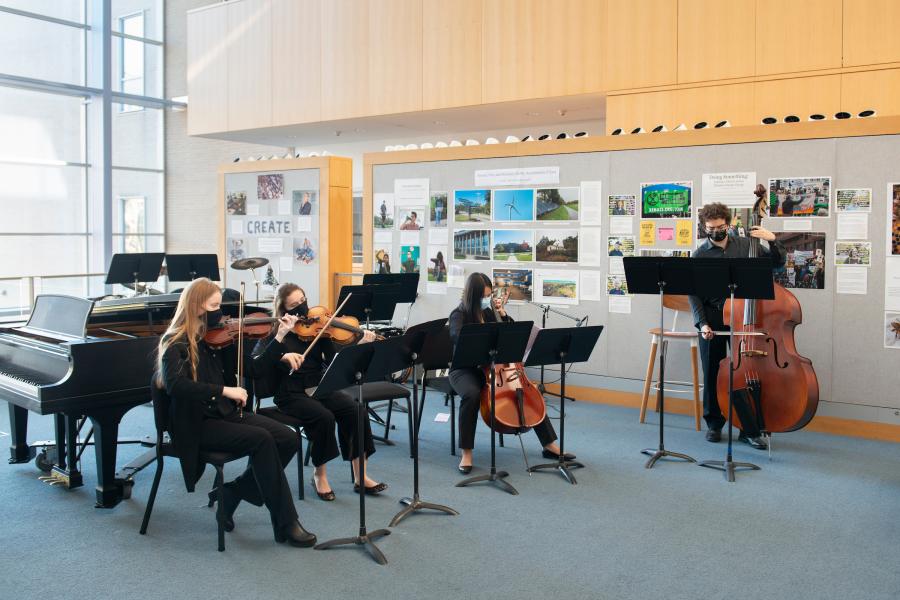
[[81, 360]]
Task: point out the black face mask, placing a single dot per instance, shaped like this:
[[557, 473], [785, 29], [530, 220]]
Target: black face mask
[[213, 317], [718, 236], [301, 310]]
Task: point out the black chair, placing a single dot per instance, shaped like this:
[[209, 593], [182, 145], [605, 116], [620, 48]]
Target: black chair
[[165, 448]]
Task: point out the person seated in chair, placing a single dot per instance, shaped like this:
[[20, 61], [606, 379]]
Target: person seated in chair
[[207, 415], [279, 361], [476, 307]]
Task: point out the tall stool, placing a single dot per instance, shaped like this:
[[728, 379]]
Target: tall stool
[[678, 304]]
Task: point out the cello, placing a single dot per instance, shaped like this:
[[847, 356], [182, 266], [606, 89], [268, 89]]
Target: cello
[[783, 395], [518, 404]]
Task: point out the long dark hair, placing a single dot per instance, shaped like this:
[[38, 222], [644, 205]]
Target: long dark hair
[[472, 295]]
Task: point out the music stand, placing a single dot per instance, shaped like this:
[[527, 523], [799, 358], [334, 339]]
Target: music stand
[[351, 367], [188, 267], [486, 344], [134, 269], [370, 302], [659, 276], [408, 354], [561, 347], [409, 285], [748, 278]]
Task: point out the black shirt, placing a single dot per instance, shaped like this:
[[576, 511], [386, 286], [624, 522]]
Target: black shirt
[[216, 369], [709, 310], [269, 352], [458, 318]]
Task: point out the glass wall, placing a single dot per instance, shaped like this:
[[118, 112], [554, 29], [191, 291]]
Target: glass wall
[[58, 223]]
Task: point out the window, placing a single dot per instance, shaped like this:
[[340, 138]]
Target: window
[[131, 59], [133, 223], [357, 227]]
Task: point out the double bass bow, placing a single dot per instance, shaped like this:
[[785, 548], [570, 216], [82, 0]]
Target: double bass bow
[[780, 383]]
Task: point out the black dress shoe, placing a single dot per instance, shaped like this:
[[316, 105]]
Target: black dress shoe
[[326, 496], [757, 442], [554, 456], [229, 505], [373, 490], [465, 469], [295, 535], [714, 434]]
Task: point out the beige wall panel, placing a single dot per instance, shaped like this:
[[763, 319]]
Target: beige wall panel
[[797, 35], [451, 52], [296, 61], [802, 97], [207, 70], [345, 59], [249, 59], [732, 103], [641, 43], [716, 40], [645, 110], [395, 56], [541, 48], [870, 32], [875, 90]]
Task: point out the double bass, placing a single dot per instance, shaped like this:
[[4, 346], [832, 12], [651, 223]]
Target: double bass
[[779, 384], [518, 403]]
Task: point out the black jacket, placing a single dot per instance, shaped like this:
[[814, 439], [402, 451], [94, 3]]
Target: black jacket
[[271, 376], [458, 318]]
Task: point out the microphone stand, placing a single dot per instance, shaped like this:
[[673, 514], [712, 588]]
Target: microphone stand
[[545, 309]]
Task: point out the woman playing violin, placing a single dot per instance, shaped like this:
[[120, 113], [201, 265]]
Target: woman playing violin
[[477, 307], [205, 403], [279, 359]]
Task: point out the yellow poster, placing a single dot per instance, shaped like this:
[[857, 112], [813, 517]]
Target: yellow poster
[[683, 233], [648, 233]]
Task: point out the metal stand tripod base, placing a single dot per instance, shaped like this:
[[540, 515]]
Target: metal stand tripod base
[[656, 454], [729, 467], [415, 504], [564, 466], [492, 478], [364, 539]]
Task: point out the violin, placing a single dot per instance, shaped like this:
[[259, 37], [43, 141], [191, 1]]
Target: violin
[[518, 403], [320, 320], [783, 395], [255, 326]]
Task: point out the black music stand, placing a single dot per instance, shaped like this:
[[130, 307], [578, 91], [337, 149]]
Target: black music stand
[[561, 347], [352, 367], [134, 269], [188, 267], [408, 282], [486, 344], [659, 276], [748, 278], [370, 303], [408, 354]]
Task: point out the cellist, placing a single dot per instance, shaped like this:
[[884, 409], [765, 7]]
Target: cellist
[[721, 242], [476, 307]]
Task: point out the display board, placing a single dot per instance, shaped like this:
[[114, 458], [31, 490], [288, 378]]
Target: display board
[[844, 334]]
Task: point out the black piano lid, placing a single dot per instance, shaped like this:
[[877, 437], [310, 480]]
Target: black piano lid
[[59, 316]]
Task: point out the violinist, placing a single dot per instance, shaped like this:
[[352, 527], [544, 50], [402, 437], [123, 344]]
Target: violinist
[[720, 243], [207, 413], [477, 307], [279, 360]]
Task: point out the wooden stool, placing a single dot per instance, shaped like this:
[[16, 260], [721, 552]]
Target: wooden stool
[[677, 304]]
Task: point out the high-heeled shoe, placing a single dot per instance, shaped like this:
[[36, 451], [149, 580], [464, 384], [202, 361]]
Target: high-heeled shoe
[[229, 505], [326, 496], [295, 535]]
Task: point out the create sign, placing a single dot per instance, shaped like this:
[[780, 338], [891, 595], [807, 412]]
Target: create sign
[[267, 227]]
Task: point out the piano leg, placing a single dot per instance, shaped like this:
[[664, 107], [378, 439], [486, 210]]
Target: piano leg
[[110, 491], [19, 450]]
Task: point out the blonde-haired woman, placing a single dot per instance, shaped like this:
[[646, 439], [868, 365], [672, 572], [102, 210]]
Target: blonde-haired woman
[[279, 360], [205, 415]]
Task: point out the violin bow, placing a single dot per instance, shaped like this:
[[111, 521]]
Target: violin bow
[[333, 315], [240, 344]]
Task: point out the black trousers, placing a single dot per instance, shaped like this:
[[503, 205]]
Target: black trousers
[[270, 446], [467, 383], [319, 418]]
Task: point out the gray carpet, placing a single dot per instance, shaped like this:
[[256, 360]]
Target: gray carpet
[[820, 521]]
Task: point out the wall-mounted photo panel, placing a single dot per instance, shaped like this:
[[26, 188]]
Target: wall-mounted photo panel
[[513, 245], [799, 196], [237, 249], [892, 330], [620, 245], [665, 252], [621, 205], [853, 253], [270, 187], [805, 263], [894, 217], [557, 204], [382, 260], [236, 203], [305, 250], [410, 219], [438, 210], [516, 282], [556, 286], [666, 200], [437, 264], [513, 205], [471, 206], [383, 211], [304, 202], [616, 285], [472, 244], [556, 245], [853, 200], [409, 259]]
